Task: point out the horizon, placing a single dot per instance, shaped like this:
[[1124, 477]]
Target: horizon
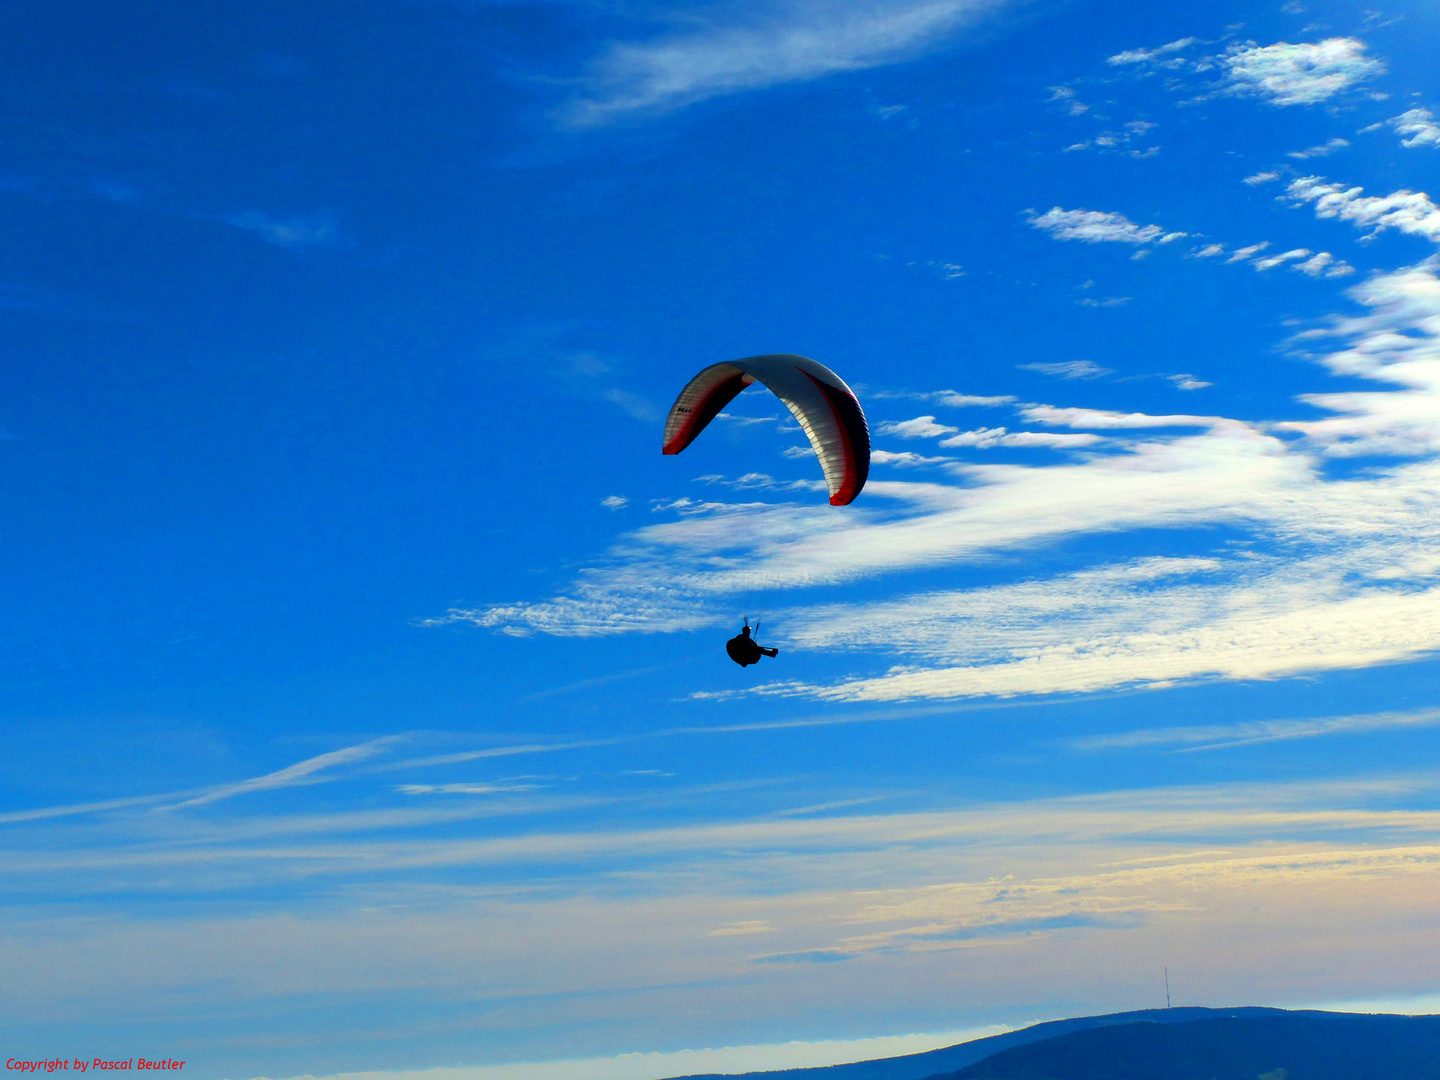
[[745, 1060]]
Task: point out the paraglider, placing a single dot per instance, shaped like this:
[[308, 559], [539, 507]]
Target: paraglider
[[828, 412], [827, 409], [745, 650]]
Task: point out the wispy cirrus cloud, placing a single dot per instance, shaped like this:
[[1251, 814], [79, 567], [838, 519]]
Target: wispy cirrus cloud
[[1246, 622], [906, 459], [1269, 262], [1324, 149], [1248, 252], [1121, 140], [1163, 53], [1068, 369], [985, 438], [759, 44], [1109, 420], [301, 773], [1223, 736], [294, 233], [1354, 586], [1003, 883], [1065, 97], [949, 398]]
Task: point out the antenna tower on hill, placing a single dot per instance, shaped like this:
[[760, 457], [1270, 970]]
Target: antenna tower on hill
[[1167, 987]]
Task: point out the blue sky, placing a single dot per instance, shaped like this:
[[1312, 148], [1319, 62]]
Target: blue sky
[[366, 707]]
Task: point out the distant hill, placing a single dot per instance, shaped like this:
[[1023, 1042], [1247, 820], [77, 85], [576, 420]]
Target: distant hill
[[1161, 1044], [1293, 1046]]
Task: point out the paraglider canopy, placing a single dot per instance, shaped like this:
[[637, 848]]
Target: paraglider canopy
[[827, 409]]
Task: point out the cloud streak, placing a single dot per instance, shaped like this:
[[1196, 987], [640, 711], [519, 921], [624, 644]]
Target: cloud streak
[[1222, 736], [756, 45]]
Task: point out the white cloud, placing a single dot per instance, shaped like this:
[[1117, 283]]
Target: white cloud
[[1241, 254], [1066, 97], [738, 420], [1285, 256], [1419, 125], [1121, 141], [1141, 56], [752, 45], [949, 398], [1257, 619], [907, 458], [293, 233], [1219, 736], [1188, 382], [1261, 178], [986, 438], [1397, 342], [1342, 572], [922, 427], [1108, 420], [462, 789], [1108, 301], [1069, 369], [750, 481], [1299, 74], [1323, 150], [1098, 226], [947, 270], [292, 774], [637, 407], [1405, 211], [661, 578], [1324, 265], [960, 401], [614, 502], [302, 772]]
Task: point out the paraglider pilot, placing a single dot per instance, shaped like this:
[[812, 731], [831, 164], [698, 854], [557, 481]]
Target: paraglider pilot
[[744, 650]]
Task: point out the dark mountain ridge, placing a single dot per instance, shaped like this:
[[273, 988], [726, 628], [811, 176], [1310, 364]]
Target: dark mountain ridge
[[1306, 1046], [1169, 1044]]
